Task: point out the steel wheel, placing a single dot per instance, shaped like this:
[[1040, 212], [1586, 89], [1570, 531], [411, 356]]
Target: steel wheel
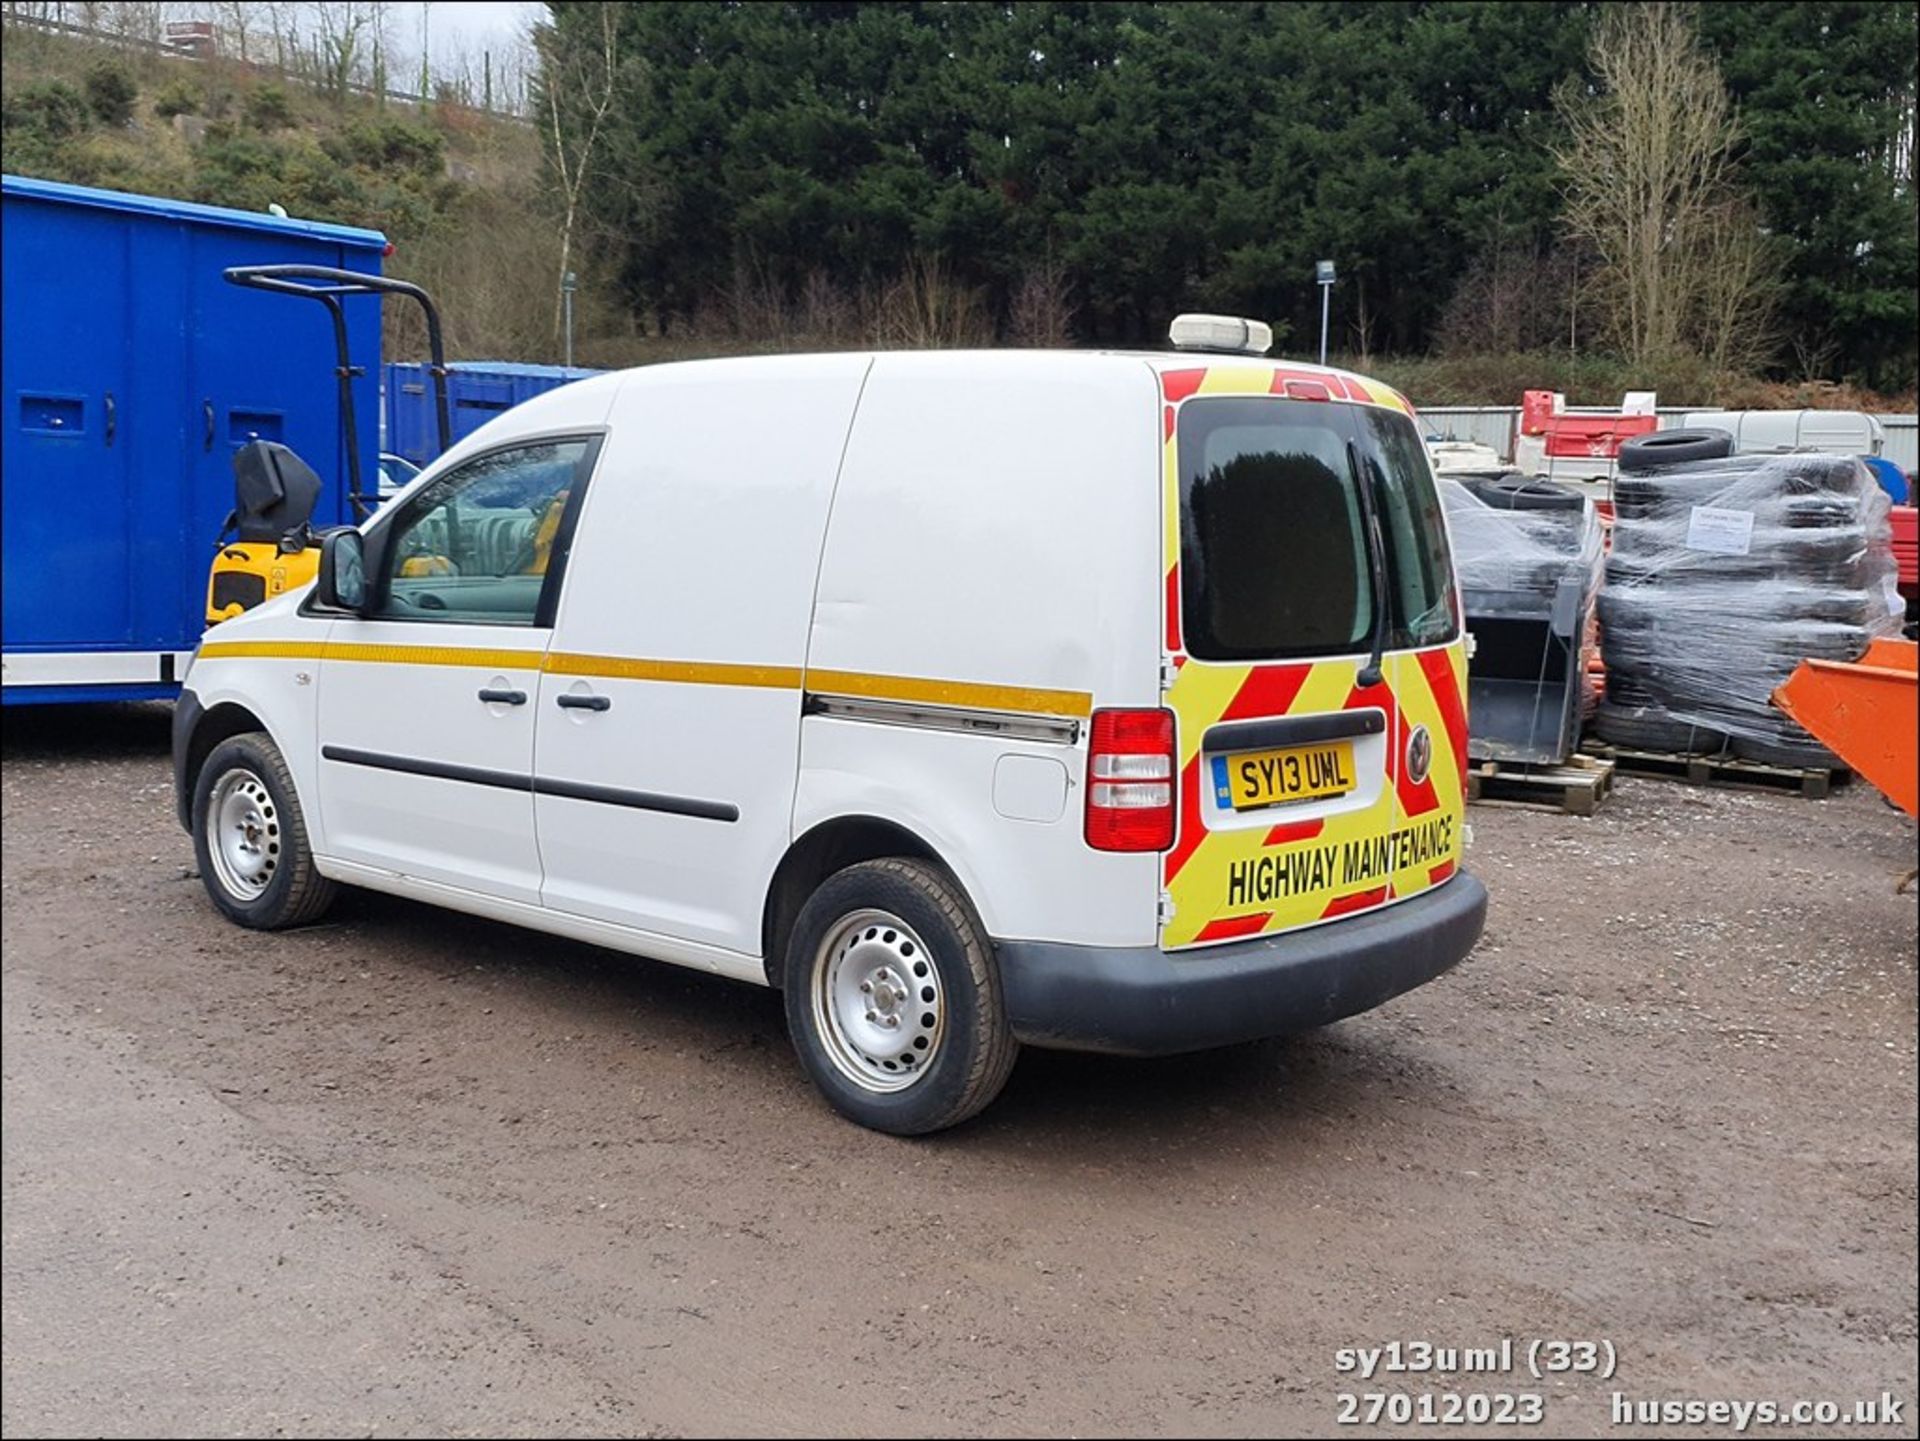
[[243, 834], [877, 1001]]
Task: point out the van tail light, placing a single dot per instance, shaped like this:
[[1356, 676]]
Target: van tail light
[[1130, 764]]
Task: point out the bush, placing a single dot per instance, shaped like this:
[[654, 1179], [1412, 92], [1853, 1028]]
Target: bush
[[269, 108], [389, 143], [111, 92], [243, 172], [179, 98], [51, 110], [114, 160]]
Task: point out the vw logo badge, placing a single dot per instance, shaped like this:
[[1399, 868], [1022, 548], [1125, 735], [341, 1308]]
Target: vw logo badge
[[1419, 754]]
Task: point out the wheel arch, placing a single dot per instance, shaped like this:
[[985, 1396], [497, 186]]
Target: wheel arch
[[830, 846], [203, 731]]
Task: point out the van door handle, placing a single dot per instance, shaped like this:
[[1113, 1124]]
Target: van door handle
[[113, 419], [206, 411], [504, 697], [583, 702]]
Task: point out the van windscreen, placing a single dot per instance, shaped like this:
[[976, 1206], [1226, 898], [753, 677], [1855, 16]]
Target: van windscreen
[[1273, 545]]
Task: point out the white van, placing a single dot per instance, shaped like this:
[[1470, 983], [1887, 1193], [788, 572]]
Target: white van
[[1099, 701]]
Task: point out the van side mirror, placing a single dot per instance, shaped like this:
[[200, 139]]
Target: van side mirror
[[342, 582]]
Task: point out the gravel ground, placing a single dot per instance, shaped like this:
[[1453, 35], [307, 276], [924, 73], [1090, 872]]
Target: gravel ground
[[408, 1172]]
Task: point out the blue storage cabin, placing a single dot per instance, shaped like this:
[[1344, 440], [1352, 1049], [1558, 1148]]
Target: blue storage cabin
[[477, 391], [130, 371]]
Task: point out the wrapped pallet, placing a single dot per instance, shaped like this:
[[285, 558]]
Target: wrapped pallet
[[1725, 572]]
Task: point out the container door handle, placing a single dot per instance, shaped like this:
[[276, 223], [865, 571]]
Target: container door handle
[[583, 702], [113, 418], [504, 697], [206, 409]]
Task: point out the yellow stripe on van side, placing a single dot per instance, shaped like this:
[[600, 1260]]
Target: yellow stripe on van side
[[950, 692], [971, 694], [686, 672], [261, 650], [477, 656], [434, 655]]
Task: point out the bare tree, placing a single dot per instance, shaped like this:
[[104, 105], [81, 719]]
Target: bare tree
[[927, 308], [235, 18], [276, 22], [1040, 314], [1648, 175], [1515, 295], [140, 20], [579, 86], [1737, 291], [343, 27]]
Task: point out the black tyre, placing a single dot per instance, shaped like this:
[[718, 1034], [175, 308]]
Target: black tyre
[[250, 838], [1653, 729], [1514, 491], [1851, 608], [1665, 496], [1624, 572], [893, 999], [1629, 609], [1666, 448], [1798, 549], [1806, 754], [1810, 511], [1627, 691]]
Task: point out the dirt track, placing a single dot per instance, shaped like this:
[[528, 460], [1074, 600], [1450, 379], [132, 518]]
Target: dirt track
[[411, 1172]]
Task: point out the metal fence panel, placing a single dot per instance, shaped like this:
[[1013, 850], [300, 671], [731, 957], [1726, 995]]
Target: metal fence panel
[[1494, 425]]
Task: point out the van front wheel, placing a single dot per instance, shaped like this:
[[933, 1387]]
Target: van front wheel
[[250, 838], [893, 999]]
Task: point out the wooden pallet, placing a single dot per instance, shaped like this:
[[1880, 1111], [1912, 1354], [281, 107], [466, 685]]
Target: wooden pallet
[[1578, 788], [1719, 770]]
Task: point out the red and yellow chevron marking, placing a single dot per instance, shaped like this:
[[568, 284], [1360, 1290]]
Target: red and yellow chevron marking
[[1405, 840], [1431, 686]]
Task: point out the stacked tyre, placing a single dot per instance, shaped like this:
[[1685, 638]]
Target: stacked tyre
[[1725, 573], [1524, 533]]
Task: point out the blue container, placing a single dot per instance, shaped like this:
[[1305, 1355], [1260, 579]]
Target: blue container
[[477, 391], [130, 371]]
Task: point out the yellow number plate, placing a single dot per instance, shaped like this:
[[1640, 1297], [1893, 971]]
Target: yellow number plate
[[1252, 779]]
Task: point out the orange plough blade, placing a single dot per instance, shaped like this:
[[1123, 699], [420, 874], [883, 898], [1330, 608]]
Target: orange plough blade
[[1867, 712]]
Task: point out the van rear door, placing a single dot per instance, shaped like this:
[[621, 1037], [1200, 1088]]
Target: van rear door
[[1297, 803]]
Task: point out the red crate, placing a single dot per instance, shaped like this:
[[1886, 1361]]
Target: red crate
[[1906, 547], [1543, 413]]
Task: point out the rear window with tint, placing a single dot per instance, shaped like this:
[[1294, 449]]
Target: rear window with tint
[[1273, 541]]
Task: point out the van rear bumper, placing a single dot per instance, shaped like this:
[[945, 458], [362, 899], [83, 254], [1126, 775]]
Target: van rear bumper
[[1143, 1001]]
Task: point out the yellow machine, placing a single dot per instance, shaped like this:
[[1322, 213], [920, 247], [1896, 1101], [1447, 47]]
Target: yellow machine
[[245, 575], [273, 550]]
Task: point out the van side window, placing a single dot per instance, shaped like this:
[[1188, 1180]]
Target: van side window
[[474, 546]]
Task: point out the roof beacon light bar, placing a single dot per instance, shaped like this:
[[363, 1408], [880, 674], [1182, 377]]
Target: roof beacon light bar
[[1221, 332]]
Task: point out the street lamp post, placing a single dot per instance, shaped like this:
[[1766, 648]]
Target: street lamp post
[[567, 287], [1323, 274]]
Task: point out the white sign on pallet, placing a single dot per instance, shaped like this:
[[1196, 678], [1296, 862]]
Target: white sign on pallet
[[1723, 532]]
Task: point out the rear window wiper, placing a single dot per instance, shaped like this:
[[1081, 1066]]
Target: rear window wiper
[[1376, 565]]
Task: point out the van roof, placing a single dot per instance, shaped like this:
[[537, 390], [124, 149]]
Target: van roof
[[1181, 373]]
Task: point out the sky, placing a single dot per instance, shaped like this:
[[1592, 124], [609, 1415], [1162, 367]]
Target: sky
[[471, 25], [454, 29]]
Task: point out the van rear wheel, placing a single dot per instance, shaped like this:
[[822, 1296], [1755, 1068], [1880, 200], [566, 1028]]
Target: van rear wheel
[[893, 999]]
